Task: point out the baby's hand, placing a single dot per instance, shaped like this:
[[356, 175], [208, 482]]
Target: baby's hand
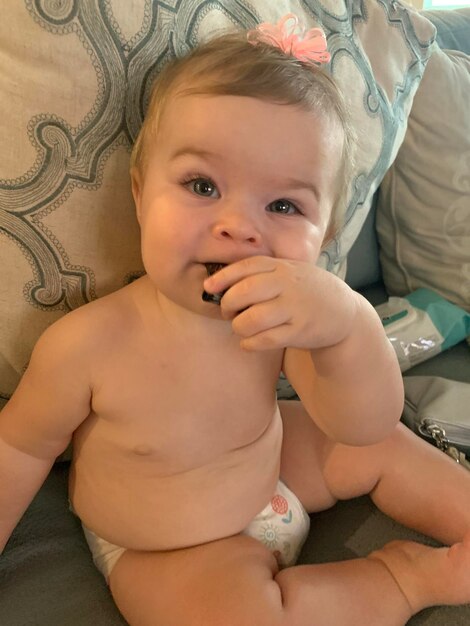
[[278, 303]]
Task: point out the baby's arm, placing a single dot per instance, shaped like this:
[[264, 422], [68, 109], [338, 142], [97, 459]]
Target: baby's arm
[[337, 357], [36, 425], [353, 388]]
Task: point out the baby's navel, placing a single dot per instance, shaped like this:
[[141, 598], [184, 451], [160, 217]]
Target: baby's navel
[[143, 449]]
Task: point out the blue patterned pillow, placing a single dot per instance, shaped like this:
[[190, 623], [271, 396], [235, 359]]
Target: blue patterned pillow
[[73, 93]]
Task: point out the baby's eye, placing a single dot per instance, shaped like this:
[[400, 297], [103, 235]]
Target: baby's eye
[[283, 207], [203, 187]]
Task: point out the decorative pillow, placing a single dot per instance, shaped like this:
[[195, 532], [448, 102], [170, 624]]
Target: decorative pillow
[[74, 81], [423, 216]]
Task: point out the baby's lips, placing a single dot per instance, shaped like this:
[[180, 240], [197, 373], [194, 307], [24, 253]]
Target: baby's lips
[[211, 269]]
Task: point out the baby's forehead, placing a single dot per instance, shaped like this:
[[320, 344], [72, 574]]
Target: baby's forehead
[[199, 104], [210, 118]]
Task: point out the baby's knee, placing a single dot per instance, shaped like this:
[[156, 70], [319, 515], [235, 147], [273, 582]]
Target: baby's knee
[[230, 582]]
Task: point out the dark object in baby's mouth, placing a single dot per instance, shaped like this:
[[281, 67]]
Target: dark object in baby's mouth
[[212, 268]]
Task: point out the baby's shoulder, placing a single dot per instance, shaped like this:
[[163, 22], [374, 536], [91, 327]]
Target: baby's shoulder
[[94, 324]]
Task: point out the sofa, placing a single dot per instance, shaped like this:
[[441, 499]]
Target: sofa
[[406, 226]]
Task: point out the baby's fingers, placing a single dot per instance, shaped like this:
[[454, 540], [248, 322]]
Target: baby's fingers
[[248, 292], [259, 318], [272, 339], [235, 272]]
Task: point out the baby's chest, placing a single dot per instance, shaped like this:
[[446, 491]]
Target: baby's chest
[[187, 413]]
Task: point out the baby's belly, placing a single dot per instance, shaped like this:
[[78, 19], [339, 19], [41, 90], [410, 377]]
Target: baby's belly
[[134, 506]]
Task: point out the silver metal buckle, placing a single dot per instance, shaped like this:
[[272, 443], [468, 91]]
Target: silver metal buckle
[[439, 436]]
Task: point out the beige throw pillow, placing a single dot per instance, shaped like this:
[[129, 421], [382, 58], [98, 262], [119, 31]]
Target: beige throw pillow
[[423, 216]]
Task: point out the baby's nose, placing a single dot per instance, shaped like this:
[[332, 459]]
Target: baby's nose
[[237, 226]]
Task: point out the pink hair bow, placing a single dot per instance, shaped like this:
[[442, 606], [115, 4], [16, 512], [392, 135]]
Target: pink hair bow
[[305, 46]]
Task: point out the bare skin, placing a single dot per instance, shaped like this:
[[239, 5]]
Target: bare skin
[[178, 438], [236, 581]]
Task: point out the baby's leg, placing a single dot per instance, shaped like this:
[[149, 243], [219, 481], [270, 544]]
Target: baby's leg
[[437, 576], [415, 483], [410, 481], [407, 478], [235, 582]]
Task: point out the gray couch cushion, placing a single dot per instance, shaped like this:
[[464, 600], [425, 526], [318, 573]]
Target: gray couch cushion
[[452, 28], [47, 577]]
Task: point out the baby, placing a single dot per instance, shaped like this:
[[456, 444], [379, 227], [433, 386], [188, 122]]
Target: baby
[[192, 482]]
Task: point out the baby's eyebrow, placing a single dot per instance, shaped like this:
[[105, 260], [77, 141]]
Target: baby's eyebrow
[[294, 184], [193, 151]]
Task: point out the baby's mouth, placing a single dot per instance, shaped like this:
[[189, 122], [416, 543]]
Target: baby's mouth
[[212, 268]]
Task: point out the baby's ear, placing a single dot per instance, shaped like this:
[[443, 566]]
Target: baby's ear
[[136, 183]]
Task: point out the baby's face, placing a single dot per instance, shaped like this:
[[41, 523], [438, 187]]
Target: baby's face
[[231, 177]]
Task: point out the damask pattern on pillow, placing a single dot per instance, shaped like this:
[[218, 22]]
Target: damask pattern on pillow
[[74, 83]]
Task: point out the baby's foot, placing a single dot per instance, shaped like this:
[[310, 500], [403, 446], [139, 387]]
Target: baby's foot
[[429, 576]]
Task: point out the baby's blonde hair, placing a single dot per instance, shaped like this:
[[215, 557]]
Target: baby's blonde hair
[[231, 65]]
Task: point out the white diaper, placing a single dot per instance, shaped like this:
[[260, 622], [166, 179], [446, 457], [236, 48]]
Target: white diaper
[[105, 554], [282, 526]]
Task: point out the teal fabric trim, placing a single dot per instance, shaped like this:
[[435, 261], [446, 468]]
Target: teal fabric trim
[[451, 321]]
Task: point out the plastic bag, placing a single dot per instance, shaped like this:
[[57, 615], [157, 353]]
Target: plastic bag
[[421, 325]]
